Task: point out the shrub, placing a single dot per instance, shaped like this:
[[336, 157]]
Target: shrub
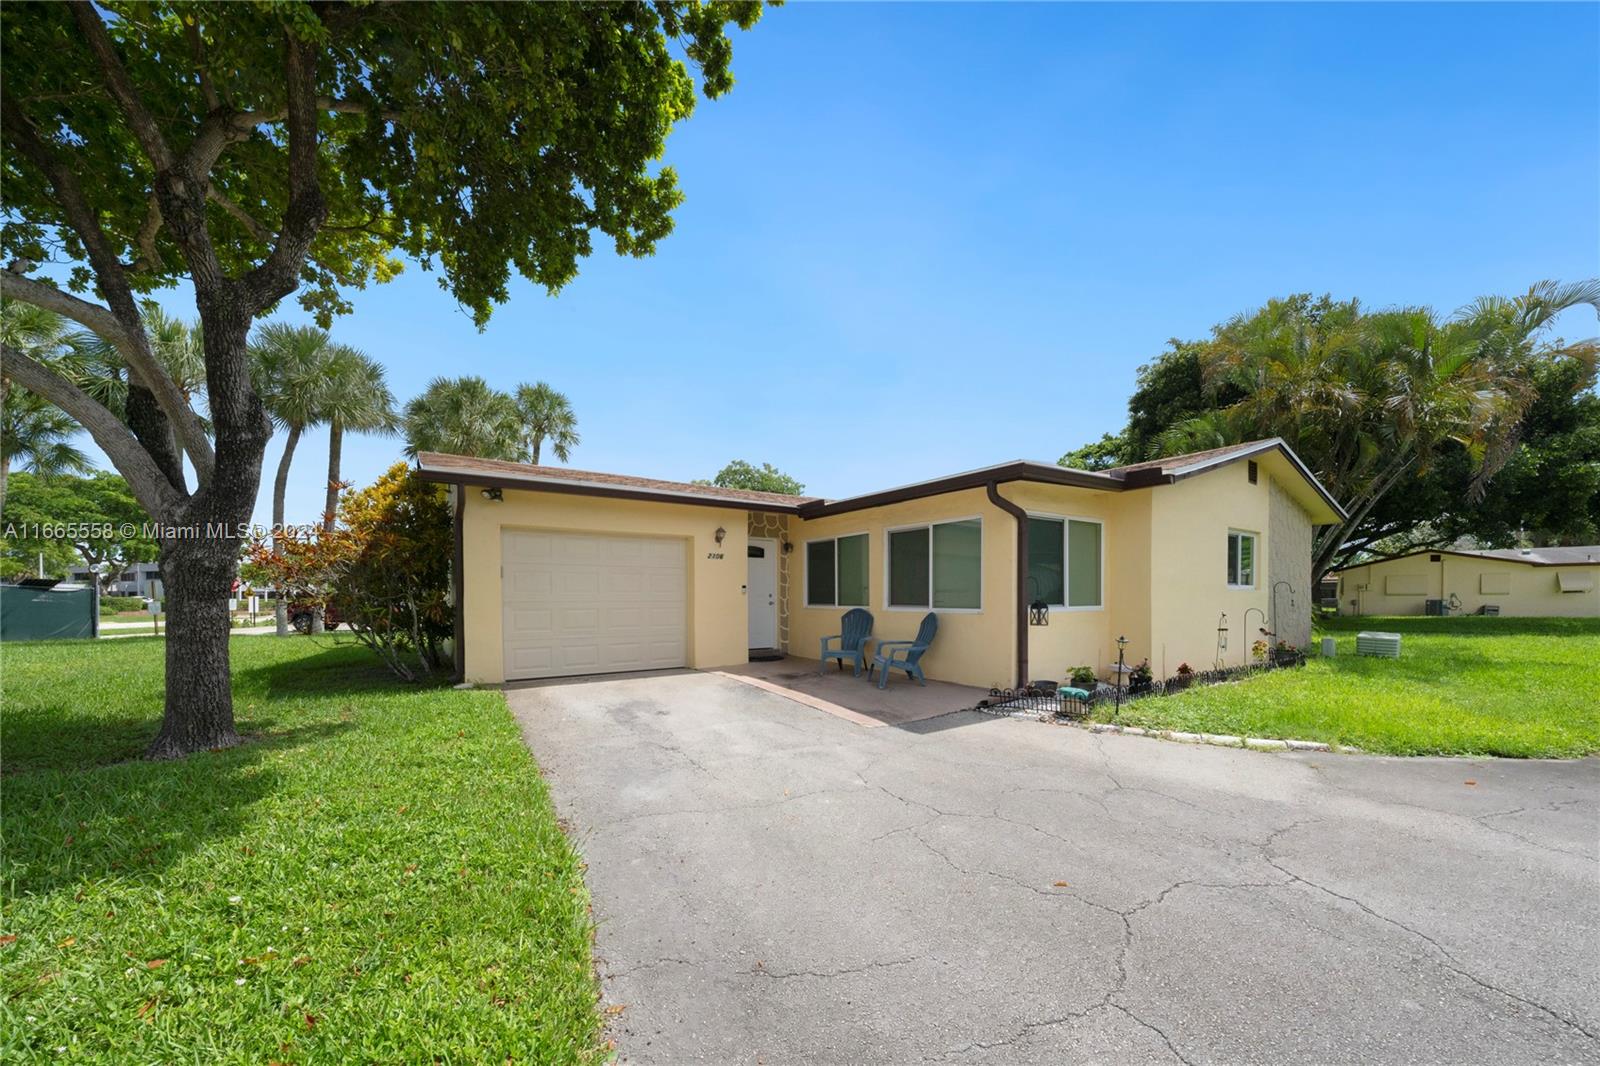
[[1083, 677], [117, 604]]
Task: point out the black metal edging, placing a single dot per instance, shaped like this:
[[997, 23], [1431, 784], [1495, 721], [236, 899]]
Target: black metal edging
[[1021, 615]]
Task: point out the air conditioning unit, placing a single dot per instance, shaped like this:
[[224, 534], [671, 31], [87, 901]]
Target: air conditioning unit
[[1381, 645]]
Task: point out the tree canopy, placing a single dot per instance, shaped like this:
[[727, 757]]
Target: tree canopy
[[254, 150], [764, 478], [1405, 416]]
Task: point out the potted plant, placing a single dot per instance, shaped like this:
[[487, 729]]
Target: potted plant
[[1286, 654], [1083, 677], [1258, 651], [1183, 679], [1140, 680]]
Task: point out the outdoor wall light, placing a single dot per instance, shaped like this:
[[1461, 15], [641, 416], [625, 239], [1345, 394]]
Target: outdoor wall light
[[788, 546], [493, 494], [720, 533]]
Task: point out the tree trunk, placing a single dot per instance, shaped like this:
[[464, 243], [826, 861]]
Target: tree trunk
[[335, 445], [198, 575], [280, 486], [200, 556], [5, 475], [537, 441]]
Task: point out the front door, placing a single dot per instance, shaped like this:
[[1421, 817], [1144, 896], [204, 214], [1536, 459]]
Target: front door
[[761, 589]]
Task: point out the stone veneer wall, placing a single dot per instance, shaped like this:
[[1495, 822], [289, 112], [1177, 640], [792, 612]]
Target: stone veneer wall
[[776, 526], [1289, 543]]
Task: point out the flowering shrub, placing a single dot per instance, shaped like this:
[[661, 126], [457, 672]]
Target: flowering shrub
[[385, 568]]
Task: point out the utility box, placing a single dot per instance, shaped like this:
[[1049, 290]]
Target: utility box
[[1381, 645], [1436, 608]]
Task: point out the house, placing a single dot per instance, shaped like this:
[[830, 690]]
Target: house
[[566, 572], [1553, 582], [135, 580]]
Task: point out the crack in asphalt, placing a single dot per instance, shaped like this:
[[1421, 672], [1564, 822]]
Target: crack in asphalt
[[1483, 820], [1449, 962], [762, 971]]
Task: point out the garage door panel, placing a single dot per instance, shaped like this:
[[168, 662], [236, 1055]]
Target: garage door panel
[[587, 603]]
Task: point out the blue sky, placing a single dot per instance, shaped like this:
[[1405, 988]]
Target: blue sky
[[924, 238]]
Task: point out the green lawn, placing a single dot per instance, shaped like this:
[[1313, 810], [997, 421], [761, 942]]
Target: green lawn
[[1462, 686], [376, 876]]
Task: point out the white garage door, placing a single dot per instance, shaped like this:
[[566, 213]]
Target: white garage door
[[582, 603]]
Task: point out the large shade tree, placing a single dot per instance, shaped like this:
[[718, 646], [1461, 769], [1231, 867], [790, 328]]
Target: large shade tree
[[252, 150]]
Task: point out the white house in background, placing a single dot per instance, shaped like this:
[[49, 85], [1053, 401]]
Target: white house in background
[[134, 580], [1528, 582]]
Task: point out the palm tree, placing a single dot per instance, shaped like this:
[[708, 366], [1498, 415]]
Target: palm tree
[[464, 416], [356, 398], [546, 415], [34, 433], [290, 367]]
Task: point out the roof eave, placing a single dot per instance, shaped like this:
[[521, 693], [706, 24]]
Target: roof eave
[[588, 488]]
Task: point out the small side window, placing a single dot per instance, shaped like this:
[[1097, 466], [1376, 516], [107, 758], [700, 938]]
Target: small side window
[[1253, 472]]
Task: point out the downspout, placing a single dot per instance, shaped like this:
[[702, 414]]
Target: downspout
[[459, 581], [1021, 619]]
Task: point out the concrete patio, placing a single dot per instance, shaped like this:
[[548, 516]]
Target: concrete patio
[[901, 702]]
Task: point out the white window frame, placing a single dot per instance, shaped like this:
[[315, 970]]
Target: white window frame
[[982, 585], [805, 582], [1255, 558], [1066, 589]]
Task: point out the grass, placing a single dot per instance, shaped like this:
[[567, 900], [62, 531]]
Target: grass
[[1522, 687], [376, 876]]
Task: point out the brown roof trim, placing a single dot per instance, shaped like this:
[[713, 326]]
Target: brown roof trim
[[1482, 558], [971, 479], [578, 488], [1178, 473]]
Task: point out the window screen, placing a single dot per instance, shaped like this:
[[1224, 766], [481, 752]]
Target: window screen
[[819, 573], [851, 555], [908, 568], [1046, 560], [1083, 564], [958, 564]]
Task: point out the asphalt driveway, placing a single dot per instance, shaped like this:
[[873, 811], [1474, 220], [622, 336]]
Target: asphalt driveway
[[773, 884]]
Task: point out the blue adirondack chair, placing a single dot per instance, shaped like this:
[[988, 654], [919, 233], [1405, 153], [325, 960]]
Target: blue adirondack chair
[[905, 654], [857, 627]]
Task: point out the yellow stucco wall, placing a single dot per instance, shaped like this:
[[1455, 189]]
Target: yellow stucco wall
[[972, 648], [1533, 590], [718, 622], [1189, 524], [1164, 578]]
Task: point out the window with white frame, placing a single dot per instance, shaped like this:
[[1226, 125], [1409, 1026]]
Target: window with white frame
[[938, 565], [1065, 561], [1241, 559], [836, 572]]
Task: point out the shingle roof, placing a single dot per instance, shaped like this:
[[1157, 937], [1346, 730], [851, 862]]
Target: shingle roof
[[460, 469], [1173, 463], [1582, 555], [465, 468]]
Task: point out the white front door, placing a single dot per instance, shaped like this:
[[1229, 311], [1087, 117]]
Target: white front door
[[761, 591]]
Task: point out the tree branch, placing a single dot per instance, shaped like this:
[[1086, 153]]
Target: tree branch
[[145, 479], [98, 320], [133, 343], [143, 124], [277, 277], [208, 91], [244, 218]]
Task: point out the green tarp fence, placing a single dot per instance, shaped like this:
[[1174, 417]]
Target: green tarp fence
[[46, 614]]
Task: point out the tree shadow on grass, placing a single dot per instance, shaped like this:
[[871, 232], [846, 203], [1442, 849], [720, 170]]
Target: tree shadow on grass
[[134, 819], [340, 669]]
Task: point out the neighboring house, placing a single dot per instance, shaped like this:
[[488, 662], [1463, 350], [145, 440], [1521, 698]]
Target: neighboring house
[[134, 580], [564, 572], [1557, 582]]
